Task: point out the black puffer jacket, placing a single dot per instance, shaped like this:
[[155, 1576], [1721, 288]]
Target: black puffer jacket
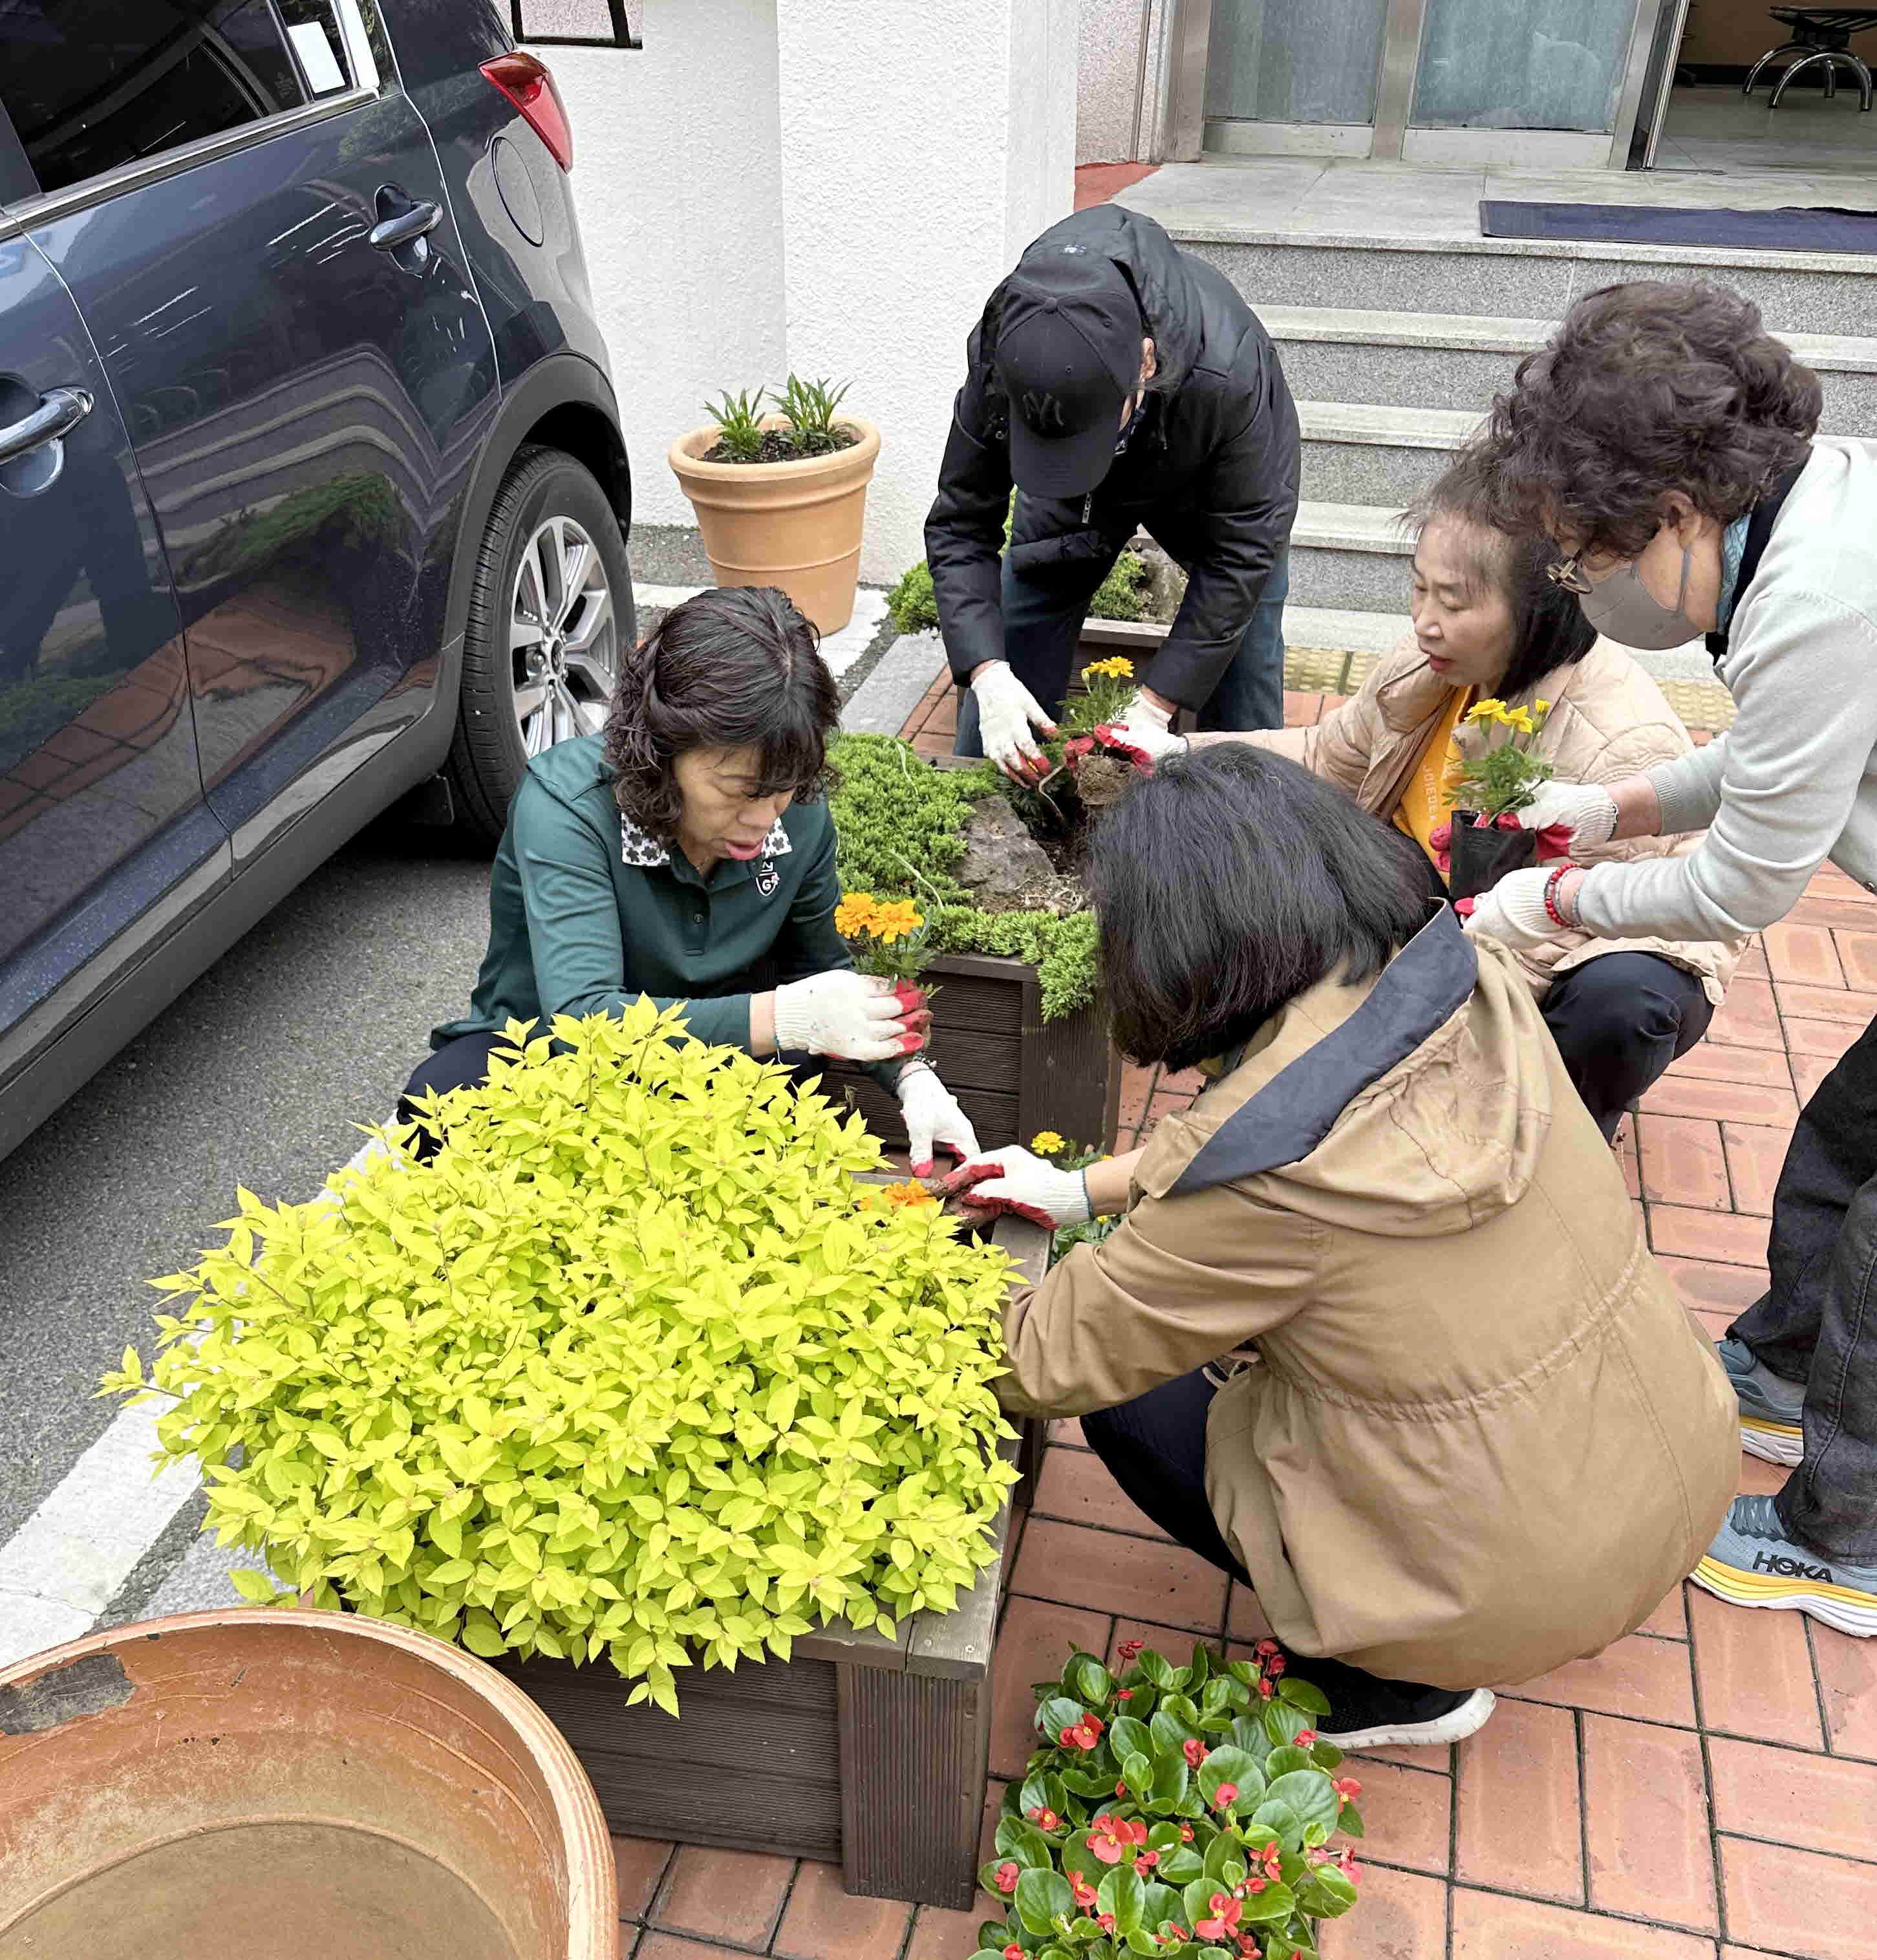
[[1210, 468]]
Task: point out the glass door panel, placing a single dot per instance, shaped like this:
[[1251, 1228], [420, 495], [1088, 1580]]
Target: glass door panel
[[1521, 64], [1294, 61]]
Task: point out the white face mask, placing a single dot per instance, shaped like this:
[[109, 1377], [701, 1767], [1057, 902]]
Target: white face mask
[[1623, 609]]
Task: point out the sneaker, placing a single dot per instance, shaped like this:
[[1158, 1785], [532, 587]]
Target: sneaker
[[1771, 1406], [1379, 1713], [1753, 1562]]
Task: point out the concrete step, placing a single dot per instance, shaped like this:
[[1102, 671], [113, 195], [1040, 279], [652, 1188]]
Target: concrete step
[[1499, 278], [1460, 361], [1354, 453], [1349, 558]]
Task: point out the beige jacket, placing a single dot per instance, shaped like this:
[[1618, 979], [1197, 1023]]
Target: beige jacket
[[1483, 1439], [1608, 720]]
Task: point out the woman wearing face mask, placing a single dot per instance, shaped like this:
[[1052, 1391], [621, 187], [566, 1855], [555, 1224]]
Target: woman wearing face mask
[[1488, 623], [1665, 442], [686, 853]]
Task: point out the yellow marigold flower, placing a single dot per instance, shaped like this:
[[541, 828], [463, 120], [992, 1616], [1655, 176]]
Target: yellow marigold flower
[[1520, 720], [1114, 668], [1046, 1143], [909, 1193], [855, 914], [1491, 709], [1542, 706], [897, 921]]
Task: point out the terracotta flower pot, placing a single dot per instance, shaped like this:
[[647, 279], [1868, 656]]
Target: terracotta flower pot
[[797, 525], [279, 1784]]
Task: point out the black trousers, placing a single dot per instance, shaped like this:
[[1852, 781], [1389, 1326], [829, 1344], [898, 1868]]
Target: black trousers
[[1155, 1449], [1618, 1021], [1818, 1322]]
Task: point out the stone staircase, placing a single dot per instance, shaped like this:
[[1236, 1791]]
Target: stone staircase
[[1388, 390]]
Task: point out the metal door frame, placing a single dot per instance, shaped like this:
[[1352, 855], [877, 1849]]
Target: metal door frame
[[1181, 122]]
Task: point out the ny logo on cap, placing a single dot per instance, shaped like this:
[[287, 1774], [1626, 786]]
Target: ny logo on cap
[[1042, 411]]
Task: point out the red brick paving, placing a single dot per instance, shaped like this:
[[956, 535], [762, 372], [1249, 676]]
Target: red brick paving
[[1704, 1790]]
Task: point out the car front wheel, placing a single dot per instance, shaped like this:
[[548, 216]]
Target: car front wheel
[[551, 615]]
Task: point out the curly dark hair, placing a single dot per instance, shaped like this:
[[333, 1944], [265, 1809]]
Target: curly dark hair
[[1646, 388], [735, 668]]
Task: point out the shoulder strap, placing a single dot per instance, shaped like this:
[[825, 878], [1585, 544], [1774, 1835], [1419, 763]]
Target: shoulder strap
[[1759, 529]]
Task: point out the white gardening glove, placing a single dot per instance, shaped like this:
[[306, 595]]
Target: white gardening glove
[[1585, 812], [1143, 733], [853, 1016], [1513, 912], [1016, 1180], [933, 1120], [1007, 711]]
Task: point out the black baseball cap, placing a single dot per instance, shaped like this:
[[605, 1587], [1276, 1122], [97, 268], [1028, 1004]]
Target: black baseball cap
[[1068, 358]]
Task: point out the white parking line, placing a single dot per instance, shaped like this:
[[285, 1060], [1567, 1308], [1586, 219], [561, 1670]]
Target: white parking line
[[64, 1566]]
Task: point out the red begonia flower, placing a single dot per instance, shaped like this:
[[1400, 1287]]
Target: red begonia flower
[[1194, 1752], [1005, 1875], [1225, 1796]]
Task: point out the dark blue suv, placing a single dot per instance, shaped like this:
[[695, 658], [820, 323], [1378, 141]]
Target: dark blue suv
[[311, 482]]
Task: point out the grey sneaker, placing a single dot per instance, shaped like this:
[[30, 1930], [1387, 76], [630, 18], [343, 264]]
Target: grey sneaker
[[1771, 1406], [1753, 1562]]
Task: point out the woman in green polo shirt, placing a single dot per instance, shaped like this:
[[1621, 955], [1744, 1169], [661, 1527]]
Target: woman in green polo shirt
[[686, 853]]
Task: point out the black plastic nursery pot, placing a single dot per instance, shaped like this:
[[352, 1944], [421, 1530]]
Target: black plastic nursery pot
[[1482, 856]]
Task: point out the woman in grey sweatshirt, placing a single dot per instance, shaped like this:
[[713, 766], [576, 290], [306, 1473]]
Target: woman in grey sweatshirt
[[1667, 444]]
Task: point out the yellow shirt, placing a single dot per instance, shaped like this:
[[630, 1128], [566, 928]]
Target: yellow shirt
[[1426, 798]]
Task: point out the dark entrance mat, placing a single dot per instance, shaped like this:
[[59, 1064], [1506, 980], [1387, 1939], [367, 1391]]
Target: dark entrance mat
[[1789, 228]]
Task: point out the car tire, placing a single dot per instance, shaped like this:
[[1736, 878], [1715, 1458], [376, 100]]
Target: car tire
[[540, 657]]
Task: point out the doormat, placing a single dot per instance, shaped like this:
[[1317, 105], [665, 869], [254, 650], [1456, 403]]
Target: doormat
[[1792, 228]]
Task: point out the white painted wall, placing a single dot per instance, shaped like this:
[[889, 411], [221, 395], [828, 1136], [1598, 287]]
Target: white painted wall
[[922, 148], [830, 186], [677, 182]]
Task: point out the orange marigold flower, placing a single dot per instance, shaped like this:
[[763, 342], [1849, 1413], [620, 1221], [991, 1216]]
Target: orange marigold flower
[[855, 914], [911, 1192]]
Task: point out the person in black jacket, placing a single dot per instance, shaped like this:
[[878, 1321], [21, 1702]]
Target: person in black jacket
[[1119, 384]]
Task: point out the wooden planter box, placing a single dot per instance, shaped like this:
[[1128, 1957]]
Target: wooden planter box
[[1013, 1072], [864, 1753]]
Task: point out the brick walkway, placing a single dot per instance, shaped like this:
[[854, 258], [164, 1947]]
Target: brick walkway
[[1705, 1790]]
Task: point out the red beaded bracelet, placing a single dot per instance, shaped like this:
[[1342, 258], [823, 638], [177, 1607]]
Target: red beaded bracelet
[[1551, 884]]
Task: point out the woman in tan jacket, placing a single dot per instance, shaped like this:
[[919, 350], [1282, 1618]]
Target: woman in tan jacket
[[1489, 623], [1479, 1438]]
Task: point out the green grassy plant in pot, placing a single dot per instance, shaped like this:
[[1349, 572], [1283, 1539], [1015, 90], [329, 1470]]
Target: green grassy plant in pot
[[1189, 1812], [633, 1370]]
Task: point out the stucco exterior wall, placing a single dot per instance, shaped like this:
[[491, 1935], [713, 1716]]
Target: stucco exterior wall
[[832, 186], [677, 180], [922, 148]]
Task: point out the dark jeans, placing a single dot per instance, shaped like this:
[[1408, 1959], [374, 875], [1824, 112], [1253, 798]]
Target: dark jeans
[[1155, 1449], [1817, 1323], [1042, 622], [1618, 1021]]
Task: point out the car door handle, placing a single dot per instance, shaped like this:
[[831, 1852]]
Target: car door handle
[[405, 227], [60, 411]]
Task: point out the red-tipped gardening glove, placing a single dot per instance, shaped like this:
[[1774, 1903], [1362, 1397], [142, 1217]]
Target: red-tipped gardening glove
[[1016, 1180]]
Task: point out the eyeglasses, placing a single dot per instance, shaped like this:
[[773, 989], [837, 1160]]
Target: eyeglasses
[[1570, 574]]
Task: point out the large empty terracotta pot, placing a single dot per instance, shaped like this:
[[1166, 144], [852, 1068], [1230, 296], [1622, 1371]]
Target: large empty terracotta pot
[[285, 1785], [797, 525]]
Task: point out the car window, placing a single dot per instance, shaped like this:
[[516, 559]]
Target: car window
[[92, 86]]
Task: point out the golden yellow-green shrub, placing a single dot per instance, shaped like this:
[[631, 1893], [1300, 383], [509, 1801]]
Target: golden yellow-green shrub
[[632, 1367]]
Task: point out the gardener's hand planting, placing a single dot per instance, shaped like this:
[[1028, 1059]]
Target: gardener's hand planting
[[1016, 1180], [1007, 715], [1514, 911], [1143, 733], [853, 1016], [933, 1120], [1587, 813]]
